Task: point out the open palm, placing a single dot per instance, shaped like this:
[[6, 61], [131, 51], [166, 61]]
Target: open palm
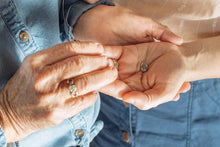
[[163, 81]]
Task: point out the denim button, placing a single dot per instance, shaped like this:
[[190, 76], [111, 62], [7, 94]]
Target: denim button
[[23, 36], [79, 133], [125, 137]]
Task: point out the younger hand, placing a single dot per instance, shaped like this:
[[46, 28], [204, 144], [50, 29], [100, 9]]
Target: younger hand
[[164, 80], [38, 96], [115, 25]]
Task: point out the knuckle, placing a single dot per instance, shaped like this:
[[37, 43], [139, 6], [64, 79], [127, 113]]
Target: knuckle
[[79, 61], [43, 98], [83, 84], [80, 64], [39, 81], [28, 62], [71, 46], [83, 45], [33, 61]]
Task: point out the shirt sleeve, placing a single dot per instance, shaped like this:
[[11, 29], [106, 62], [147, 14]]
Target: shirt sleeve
[[71, 11], [2, 138]]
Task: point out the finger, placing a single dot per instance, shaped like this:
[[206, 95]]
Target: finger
[[138, 99], [148, 99], [116, 89], [91, 1], [75, 105], [65, 50], [90, 82], [74, 66], [185, 87], [177, 97], [113, 52], [162, 33]]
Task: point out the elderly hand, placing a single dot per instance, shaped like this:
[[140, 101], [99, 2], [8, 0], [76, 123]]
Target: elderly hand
[[164, 80], [37, 96], [114, 25]]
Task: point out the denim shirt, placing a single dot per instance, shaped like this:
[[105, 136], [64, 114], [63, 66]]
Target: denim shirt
[[193, 121], [46, 23]]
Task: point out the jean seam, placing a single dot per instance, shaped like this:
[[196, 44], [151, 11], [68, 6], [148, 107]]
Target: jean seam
[[189, 116], [133, 123]]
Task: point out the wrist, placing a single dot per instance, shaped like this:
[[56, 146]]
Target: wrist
[[8, 129], [88, 23], [196, 57]]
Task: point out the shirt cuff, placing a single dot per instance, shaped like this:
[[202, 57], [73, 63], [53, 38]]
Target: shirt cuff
[[2, 138], [74, 11]]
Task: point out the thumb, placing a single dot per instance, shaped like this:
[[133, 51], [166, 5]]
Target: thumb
[[147, 99], [162, 33]]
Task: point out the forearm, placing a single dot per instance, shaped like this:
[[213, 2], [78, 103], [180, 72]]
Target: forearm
[[202, 58]]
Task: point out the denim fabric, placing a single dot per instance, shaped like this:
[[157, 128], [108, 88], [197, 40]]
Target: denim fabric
[[76, 10], [42, 21], [193, 121], [2, 138]]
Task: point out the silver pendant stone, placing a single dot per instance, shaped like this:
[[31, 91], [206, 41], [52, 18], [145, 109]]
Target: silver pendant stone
[[144, 67]]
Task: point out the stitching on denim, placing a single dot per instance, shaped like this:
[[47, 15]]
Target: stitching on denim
[[75, 126], [133, 123], [189, 116], [67, 27], [9, 32], [26, 48], [20, 50]]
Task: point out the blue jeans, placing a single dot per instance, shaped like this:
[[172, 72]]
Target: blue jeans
[[192, 121]]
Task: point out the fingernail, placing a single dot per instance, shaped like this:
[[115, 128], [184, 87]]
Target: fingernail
[[110, 63], [131, 101], [179, 41]]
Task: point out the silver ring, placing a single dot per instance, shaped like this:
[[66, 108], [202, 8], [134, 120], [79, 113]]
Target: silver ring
[[115, 64], [144, 67], [72, 88]]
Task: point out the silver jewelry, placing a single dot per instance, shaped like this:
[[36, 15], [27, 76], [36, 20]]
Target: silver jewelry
[[72, 88], [144, 67], [115, 64]]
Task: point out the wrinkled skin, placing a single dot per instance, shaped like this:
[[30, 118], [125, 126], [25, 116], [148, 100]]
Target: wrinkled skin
[[163, 81], [37, 96]]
